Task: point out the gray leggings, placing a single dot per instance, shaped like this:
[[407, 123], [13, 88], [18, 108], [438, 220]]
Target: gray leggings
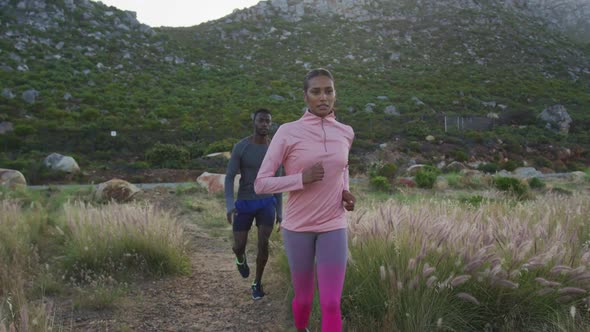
[[328, 250]]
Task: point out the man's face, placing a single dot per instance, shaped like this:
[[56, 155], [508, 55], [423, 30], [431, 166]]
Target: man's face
[[262, 124], [320, 96]]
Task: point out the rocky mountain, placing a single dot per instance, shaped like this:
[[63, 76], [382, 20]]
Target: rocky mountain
[[474, 75]]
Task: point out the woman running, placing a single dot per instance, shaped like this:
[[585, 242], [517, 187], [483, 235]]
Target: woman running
[[314, 153]]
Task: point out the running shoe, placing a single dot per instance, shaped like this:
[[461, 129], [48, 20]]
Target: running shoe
[[243, 267], [257, 292]]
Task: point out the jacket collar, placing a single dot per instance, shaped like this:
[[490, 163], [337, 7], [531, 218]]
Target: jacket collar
[[312, 119]]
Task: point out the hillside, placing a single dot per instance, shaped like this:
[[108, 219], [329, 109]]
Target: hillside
[[474, 75]]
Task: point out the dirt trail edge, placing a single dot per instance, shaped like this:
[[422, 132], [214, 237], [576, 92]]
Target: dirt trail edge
[[213, 297]]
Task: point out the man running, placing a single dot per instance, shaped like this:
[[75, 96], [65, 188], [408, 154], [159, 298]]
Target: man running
[[246, 157]]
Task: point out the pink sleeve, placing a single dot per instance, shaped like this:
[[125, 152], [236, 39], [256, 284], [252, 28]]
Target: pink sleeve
[[346, 175], [266, 182], [345, 179]]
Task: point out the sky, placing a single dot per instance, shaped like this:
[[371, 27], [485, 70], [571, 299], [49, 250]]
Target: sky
[[179, 13]]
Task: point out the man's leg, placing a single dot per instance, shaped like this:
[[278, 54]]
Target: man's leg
[[265, 219], [264, 233], [239, 247], [241, 227]]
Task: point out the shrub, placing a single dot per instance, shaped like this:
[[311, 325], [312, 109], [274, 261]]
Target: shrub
[[541, 162], [380, 183], [426, 177], [474, 200], [511, 185], [220, 146], [488, 167], [460, 155], [536, 183], [574, 166], [139, 165], [388, 171], [454, 180], [511, 165], [168, 156], [37, 172]]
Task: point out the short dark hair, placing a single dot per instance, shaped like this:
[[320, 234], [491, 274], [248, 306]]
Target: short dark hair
[[315, 73], [260, 110]]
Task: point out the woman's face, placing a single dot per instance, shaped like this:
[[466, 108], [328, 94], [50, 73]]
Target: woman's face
[[320, 96]]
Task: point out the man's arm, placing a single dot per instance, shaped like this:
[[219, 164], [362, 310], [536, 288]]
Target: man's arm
[[233, 166]]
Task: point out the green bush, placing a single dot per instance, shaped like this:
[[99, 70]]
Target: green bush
[[168, 156], [511, 165], [388, 171], [511, 185], [541, 162], [474, 200], [220, 146], [426, 177], [488, 167], [536, 183], [139, 165], [380, 183], [460, 155]]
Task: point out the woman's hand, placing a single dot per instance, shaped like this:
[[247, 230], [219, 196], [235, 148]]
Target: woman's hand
[[314, 173], [348, 200]]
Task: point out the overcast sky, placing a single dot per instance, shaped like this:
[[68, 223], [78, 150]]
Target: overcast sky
[[179, 13]]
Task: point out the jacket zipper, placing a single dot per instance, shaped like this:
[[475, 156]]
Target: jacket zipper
[[325, 147]]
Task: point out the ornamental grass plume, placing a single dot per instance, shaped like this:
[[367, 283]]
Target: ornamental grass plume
[[519, 262], [116, 238]]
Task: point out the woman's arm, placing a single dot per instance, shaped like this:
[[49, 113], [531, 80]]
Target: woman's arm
[[266, 181]]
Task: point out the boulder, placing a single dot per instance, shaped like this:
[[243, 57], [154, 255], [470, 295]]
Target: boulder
[[557, 118], [527, 172], [115, 190], [62, 163], [391, 110], [30, 96], [577, 177], [6, 127], [226, 155], [471, 172], [7, 93], [12, 179], [215, 183]]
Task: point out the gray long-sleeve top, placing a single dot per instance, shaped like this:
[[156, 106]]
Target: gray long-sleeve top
[[246, 158]]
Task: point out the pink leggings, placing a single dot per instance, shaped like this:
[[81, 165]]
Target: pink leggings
[[328, 251]]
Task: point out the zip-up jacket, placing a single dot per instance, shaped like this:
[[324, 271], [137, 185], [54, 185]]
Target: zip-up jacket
[[298, 145]]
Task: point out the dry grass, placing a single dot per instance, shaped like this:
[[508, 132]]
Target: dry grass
[[426, 263]]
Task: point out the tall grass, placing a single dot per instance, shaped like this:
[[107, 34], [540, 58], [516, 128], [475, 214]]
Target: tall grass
[[113, 239], [435, 265], [20, 230]]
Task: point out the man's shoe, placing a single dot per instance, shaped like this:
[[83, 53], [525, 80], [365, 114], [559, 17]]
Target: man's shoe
[[243, 267], [257, 292]]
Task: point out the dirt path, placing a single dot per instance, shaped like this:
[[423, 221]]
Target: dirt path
[[213, 297]]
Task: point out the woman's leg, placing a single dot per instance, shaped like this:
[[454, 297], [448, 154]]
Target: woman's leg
[[331, 253], [300, 250]]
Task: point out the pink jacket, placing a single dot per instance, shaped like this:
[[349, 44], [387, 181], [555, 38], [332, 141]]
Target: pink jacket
[[298, 145]]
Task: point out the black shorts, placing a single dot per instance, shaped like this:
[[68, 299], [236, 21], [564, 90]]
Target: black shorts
[[263, 210]]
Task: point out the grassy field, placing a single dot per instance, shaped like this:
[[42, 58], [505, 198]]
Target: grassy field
[[458, 259]]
